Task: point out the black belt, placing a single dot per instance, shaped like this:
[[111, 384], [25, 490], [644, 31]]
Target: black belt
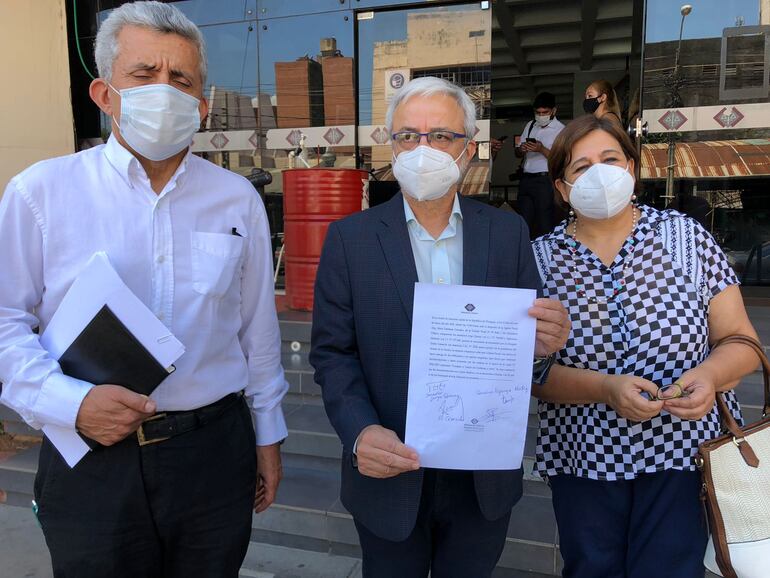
[[163, 426], [543, 174]]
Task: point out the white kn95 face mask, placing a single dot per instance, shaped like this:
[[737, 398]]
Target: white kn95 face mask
[[425, 173], [602, 191]]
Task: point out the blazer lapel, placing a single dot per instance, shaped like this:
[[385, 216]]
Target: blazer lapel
[[394, 240], [475, 243]]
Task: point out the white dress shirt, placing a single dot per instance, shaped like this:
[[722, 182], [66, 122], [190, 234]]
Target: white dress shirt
[[437, 260], [536, 162], [175, 250]]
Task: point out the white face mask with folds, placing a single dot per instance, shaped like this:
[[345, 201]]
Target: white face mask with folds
[[425, 173], [602, 191], [543, 120], [157, 120]]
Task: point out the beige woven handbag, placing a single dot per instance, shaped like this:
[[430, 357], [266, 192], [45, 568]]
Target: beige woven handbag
[[736, 488]]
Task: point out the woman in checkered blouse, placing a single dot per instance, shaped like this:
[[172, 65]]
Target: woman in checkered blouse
[[647, 292]]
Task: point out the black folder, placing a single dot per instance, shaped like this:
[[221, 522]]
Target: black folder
[[107, 352]]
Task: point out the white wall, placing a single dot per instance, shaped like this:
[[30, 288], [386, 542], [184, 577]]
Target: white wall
[[35, 107]]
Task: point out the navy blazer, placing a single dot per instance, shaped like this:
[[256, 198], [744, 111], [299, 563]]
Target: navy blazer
[[362, 325]]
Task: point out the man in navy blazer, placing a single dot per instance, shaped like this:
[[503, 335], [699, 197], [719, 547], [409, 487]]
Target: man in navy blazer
[[413, 520]]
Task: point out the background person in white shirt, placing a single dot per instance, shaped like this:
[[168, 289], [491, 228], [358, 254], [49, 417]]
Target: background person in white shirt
[[536, 195], [191, 241]]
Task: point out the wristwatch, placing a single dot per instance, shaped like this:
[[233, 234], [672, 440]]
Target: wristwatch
[[541, 366]]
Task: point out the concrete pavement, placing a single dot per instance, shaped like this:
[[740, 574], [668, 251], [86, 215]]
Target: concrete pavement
[[23, 554]]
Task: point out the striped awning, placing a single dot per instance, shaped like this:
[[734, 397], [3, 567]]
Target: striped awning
[[708, 159], [476, 181]]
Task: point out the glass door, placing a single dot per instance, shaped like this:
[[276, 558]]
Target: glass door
[[558, 47], [705, 98], [395, 45]]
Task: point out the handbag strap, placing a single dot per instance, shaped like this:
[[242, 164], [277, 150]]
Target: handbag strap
[[746, 451], [759, 350]]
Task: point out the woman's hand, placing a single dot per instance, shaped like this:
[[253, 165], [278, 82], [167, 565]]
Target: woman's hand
[[698, 399], [623, 393]]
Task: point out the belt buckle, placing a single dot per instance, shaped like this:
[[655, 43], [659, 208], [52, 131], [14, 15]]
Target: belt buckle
[[143, 441]]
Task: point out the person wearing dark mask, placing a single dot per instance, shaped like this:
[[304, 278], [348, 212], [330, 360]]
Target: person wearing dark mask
[[172, 485], [601, 100], [413, 520], [632, 394], [535, 201]]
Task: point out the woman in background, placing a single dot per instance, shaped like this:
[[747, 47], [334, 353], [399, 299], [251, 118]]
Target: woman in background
[[601, 101]]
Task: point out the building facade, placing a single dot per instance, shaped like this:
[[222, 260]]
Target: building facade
[[693, 84], [320, 74], [35, 107]]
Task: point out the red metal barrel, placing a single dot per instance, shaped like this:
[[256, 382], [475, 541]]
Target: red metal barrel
[[313, 198]]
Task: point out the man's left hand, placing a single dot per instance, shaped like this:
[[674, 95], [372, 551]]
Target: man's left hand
[[537, 147], [553, 326], [269, 474], [532, 147]]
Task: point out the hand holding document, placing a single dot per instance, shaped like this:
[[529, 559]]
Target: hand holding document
[[470, 376], [102, 330]]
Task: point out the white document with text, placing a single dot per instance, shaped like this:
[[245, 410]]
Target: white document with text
[[470, 376]]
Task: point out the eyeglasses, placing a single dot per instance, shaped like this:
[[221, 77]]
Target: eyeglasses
[[438, 139], [672, 391]]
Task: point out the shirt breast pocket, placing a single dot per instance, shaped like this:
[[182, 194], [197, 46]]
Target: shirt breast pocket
[[215, 260]]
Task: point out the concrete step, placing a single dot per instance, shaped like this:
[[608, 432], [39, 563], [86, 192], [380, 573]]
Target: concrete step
[[310, 433], [270, 561], [17, 476], [13, 424], [295, 325], [313, 441], [760, 319], [23, 553], [751, 390], [308, 515]]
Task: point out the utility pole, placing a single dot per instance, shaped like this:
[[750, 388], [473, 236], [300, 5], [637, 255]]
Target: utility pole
[[675, 102]]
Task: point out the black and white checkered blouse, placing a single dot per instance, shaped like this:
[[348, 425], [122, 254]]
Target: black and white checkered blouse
[[657, 328]]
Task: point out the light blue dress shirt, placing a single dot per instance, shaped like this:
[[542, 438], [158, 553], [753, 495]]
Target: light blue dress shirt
[[437, 260]]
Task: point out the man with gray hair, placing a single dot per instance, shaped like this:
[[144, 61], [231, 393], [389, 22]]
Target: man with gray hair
[[413, 520], [171, 486]]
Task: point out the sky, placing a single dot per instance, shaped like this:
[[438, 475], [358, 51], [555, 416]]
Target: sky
[[235, 48], [240, 57], [707, 19]]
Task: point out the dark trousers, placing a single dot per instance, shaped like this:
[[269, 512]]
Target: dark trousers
[[180, 508], [451, 538], [535, 203], [650, 526]]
